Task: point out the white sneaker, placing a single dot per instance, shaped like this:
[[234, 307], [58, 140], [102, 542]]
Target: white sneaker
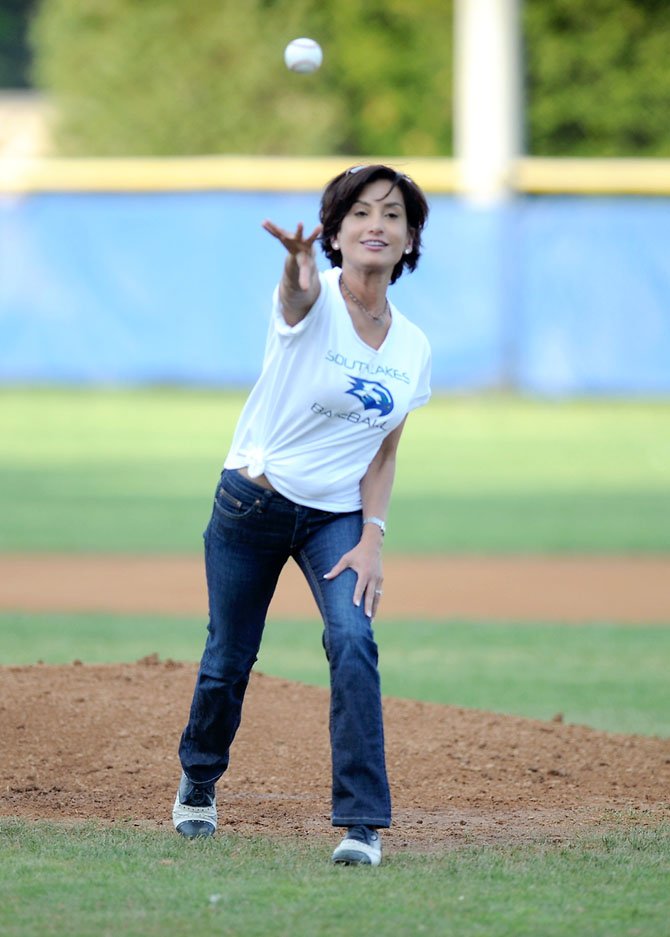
[[194, 811], [362, 845]]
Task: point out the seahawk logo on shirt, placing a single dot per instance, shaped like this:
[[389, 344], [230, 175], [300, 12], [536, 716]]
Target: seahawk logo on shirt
[[372, 394]]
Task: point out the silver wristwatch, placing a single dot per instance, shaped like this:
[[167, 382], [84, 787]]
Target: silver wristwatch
[[378, 521]]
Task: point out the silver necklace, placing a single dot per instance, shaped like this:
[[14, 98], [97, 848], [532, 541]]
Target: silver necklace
[[360, 305]]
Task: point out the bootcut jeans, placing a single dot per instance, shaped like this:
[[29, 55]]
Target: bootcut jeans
[[251, 534]]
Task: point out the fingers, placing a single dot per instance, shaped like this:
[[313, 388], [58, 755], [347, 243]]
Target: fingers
[[367, 589], [316, 233], [276, 232], [373, 594], [371, 591], [295, 243], [338, 568]]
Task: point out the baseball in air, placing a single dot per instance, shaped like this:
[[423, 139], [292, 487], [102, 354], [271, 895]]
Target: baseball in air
[[303, 55]]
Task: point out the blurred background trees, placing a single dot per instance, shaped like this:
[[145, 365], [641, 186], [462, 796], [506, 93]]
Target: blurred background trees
[[15, 55], [182, 77], [598, 77]]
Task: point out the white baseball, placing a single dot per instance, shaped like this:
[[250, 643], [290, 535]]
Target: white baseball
[[303, 55]]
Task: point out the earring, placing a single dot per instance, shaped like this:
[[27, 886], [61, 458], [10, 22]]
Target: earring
[[408, 250], [335, 245]]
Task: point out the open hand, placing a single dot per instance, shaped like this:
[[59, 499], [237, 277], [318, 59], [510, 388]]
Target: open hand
[[366, 563], [299, 246]]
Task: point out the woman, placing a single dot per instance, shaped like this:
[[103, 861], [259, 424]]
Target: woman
[[309, 475]]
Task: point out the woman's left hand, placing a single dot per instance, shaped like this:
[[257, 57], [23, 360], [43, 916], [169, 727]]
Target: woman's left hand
[[366, 562]]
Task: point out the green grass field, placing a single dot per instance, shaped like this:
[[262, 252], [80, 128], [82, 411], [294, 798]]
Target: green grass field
[[94, 881], [134, 471]]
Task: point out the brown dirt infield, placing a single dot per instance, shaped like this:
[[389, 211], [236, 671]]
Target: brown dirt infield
[[99, 742], [630, 589]]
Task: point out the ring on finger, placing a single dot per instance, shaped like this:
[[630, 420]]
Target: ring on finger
[[378, 592]]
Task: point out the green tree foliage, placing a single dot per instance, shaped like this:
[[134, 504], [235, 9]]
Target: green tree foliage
[[181, 77], [598, 77], [178, 77], [207, 76], [14, 50], [393, 68]]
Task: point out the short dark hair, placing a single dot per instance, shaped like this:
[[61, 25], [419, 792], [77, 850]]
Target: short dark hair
[[341, 193]]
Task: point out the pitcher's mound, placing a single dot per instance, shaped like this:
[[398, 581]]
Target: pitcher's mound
[[99, 742]]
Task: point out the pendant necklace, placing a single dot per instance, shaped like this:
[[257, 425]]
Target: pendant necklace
[[360, 305]]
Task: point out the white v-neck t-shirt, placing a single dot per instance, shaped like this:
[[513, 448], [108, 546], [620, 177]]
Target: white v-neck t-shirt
[[325, 400]]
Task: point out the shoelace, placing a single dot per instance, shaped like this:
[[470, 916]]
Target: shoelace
[[362, 834], [199, 797]]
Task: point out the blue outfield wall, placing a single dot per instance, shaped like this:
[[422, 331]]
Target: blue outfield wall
[[551, 294]]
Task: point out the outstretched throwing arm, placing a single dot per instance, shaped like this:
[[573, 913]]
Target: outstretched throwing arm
[[299, 286]]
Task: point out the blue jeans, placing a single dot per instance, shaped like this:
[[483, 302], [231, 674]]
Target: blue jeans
[[251, 535]]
